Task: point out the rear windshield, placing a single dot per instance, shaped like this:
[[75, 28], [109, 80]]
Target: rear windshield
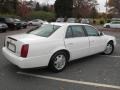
[[45, 30]]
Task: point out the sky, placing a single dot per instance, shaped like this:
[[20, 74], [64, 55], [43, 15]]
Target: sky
[[101, 6]]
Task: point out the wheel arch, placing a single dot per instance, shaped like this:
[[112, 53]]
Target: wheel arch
[[61, 50], [111, 41]]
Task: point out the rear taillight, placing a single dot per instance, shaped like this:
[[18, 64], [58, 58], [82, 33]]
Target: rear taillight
[[24, 50]]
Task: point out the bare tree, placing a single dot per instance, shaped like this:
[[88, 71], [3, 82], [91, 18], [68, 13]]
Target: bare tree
[[83, 8]]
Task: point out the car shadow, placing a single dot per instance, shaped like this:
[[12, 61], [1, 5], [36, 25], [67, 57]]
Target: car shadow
[[45, 70]]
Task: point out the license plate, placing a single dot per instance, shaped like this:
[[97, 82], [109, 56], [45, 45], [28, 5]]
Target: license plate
[[11, 47]]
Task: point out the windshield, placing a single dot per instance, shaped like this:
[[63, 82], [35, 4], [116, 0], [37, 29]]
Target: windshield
[[45, 30]]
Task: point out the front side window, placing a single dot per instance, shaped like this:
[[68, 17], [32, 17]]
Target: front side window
[[45, 30], [75, 31], [36, 20], [91, 31], [115, 22]]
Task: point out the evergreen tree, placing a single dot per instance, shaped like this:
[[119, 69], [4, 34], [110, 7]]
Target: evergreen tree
[[63, 8], [37, 8], [8, 6]]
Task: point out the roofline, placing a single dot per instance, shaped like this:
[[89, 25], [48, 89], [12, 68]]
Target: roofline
[[66, 23]]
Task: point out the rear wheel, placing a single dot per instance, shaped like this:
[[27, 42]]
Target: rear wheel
[[109, 49], [58, 62]]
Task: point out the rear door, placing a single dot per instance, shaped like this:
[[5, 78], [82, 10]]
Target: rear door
[[76, 42], [97, 42]]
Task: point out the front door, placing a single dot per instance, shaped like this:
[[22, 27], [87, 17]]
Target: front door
[[97, 42]]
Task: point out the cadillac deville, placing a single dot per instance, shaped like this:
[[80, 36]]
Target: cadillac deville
[[56, 44]]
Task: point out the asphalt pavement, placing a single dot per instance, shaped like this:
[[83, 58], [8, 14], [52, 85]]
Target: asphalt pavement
[[97, 72]]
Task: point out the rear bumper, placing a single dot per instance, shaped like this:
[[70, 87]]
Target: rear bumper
[[25, 62]]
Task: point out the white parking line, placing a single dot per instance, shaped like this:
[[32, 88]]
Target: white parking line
[[72, 81], [111, 56]]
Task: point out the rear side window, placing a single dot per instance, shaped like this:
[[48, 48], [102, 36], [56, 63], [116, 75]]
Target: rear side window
[[91, 31], [75, 31], [78, 31], [69, 33]]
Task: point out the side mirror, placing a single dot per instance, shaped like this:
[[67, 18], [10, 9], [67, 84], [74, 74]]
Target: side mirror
[[101, 33]]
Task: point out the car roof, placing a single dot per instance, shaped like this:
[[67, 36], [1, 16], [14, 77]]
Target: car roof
[[66, 24]]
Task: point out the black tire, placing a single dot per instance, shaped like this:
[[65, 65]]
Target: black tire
[[24, 27], [18, 28], [107, 26], [53, 59], [30, 24], [112, 46], [4, 30]]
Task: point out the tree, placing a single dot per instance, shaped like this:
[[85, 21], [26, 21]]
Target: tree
[[114, 7], [37, 8], [45, 8], [84, 8], [63, 8], [8, 6], [94, 12], [23, 10]]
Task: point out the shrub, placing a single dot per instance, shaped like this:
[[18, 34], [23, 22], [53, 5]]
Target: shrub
[[102, 22], [94, 21], [49, 16], [108, 21], [8, 15]]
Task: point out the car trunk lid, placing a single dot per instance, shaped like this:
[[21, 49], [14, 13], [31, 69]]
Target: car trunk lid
[[14, 43]]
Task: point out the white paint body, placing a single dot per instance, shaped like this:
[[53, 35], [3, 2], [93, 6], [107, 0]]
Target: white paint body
[[37, 22], [113, 24], [41, 49]]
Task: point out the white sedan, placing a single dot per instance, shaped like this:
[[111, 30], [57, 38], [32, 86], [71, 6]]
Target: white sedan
[[37, 22], [113, 24], [3, 27], [55, 45]]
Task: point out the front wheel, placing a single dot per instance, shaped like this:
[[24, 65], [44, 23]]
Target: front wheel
[[107, 26], [58, 62], [24, 27], [109, 49], [4, 30]]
